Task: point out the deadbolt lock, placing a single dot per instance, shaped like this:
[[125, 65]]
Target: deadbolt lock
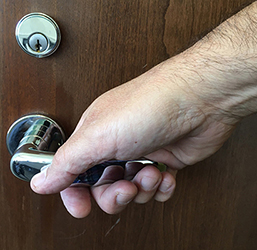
[[38, 35]]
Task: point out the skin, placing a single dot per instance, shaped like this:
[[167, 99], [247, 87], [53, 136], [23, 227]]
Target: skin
[[179, 113]]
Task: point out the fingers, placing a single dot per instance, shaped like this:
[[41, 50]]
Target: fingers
[[113, 198], [166, 188], [151, 183], [77, 201], [147, 182]]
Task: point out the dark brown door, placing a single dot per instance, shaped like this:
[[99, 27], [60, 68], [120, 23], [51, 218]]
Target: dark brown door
[[104, 44]]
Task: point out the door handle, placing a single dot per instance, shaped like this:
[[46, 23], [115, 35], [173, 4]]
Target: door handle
[[33, 140]]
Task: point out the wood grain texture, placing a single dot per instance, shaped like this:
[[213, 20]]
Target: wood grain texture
[[188, 21], [104, 44]]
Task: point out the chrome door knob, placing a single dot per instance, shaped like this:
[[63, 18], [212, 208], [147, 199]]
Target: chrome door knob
[[33, 140], [38, 35]]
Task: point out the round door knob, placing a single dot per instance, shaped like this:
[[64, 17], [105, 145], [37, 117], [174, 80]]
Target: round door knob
[[38, 35]]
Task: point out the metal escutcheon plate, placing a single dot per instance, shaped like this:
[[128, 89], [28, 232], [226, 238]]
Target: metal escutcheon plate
[[43, 26]]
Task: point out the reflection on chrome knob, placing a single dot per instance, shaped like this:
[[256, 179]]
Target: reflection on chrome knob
[[33, 140]]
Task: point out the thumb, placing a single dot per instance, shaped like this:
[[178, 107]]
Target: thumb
[[80, 152]]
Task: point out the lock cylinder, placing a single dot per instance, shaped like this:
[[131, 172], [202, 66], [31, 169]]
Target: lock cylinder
[[38, 35]]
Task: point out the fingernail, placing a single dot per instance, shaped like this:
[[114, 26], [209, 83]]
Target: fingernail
[[39, 178], [165, 187], [148, 183], [123, 199], [45, 167]]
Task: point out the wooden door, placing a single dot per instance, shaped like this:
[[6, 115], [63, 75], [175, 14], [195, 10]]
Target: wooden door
[[104, 44]]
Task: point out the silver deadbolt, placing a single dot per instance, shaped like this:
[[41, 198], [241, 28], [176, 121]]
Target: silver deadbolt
[[38, 35], [33, 140]]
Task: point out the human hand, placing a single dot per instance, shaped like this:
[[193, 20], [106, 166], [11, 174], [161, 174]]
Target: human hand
[[178, 113], [149, 116]]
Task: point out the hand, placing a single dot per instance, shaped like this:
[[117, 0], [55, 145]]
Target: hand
[[178, 113], [149, 116]]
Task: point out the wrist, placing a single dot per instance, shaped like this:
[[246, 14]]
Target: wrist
[[221, 69]]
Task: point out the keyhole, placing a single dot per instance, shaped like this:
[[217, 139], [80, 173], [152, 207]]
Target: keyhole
[[38, 42], [38, 46]]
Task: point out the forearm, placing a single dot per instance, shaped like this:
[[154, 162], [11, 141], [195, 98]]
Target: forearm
[[221, 69]]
